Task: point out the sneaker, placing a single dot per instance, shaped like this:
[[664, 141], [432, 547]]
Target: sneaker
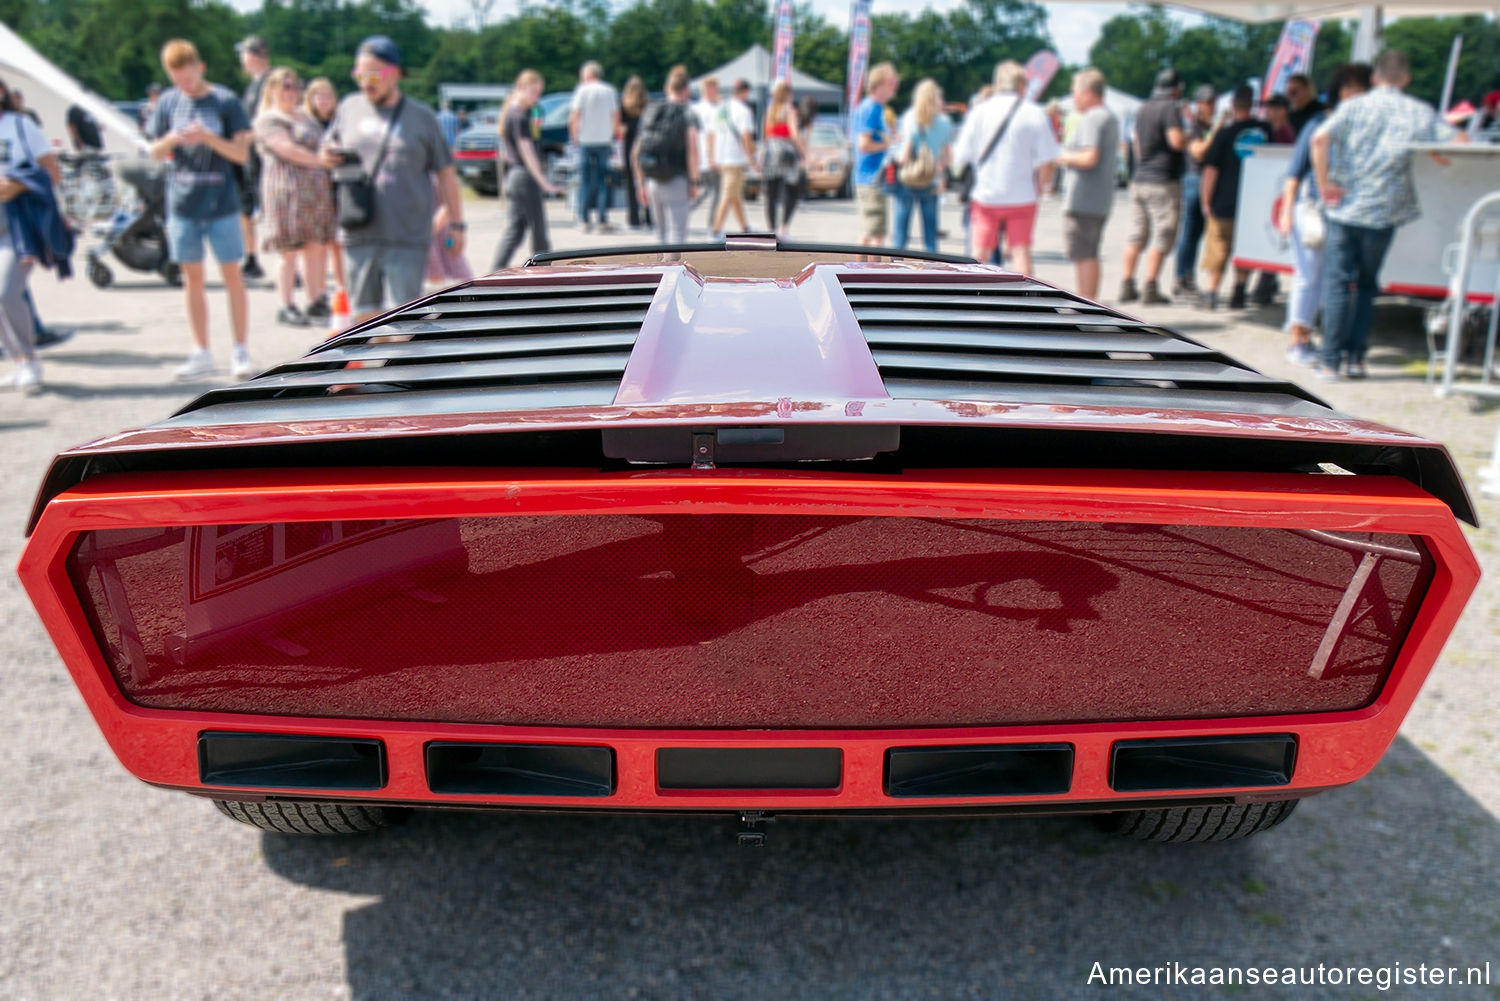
[[52, 337], [1128, 292], [290, 316], [318, 309], [28, 377], [588, 227], [1302, 354], [1151, 296], [252, 269], [1326, 374], [1187, 288], [1356, 370], [1237, 297], [1208, 300], [240, 365], [198, 363], [604, 227]]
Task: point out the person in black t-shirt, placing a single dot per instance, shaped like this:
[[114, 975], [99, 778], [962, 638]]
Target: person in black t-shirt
[[84, 131], [1155, 188], [1304, 102], [1221, 195], [525, 181]]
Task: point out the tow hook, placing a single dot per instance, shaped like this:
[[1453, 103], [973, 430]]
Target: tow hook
[[754, 826]]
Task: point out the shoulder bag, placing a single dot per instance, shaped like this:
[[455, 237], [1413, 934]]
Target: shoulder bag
[[356, 189], [964, 185]]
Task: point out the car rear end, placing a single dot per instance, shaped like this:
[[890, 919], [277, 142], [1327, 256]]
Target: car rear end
[[900, 599]]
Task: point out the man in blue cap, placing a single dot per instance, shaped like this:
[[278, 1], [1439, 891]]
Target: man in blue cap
[[399, 144]]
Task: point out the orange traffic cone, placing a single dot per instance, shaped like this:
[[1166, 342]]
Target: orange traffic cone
[[339, 314]]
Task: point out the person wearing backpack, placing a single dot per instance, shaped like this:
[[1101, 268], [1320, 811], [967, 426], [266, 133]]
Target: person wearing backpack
[[922, 163], [665, 156]]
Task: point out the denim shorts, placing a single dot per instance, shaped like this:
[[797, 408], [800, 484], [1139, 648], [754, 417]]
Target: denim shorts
[[185, 239]]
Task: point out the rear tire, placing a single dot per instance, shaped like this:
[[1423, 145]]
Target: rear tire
[[1197, 824], [289, 817], [100, 275]]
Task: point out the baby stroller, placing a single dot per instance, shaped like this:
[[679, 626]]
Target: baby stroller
[[138, 238]]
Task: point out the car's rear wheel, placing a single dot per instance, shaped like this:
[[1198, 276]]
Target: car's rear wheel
[[312, 818], [1194, 824]]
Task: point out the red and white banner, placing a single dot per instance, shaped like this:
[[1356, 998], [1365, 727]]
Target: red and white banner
[[1294, 53], [1040, 69], [781, 63], [859, 57]]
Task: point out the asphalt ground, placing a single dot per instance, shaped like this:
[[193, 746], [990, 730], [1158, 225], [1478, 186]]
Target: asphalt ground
[[110, 889]]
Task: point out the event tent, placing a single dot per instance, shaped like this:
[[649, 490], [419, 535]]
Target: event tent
[[754, 65], [50, 93]]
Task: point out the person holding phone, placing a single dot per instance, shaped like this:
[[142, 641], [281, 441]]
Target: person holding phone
[[203, 129]]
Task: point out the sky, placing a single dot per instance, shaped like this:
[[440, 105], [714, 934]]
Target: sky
[[1075, 26]]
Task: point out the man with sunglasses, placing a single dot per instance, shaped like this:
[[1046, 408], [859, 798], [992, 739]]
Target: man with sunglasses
[[399, 143]]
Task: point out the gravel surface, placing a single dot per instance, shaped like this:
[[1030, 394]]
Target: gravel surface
[[111, 889]]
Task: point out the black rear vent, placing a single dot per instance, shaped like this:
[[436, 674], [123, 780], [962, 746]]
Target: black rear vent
[[479, 347], [1015, 340], [1203, 763], [1000, 770]]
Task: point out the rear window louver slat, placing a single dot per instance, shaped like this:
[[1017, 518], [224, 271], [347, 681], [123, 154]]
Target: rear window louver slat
[[483, 342], [1019, 341]]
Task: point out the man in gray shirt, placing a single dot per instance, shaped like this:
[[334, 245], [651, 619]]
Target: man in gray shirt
[[1089, 187], [387, 257]]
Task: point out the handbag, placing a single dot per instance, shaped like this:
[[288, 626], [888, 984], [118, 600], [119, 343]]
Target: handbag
[[919, 170], [1307, 220], [356, 189], [964, 183]]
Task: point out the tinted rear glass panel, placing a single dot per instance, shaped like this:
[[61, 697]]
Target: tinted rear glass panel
[[747, 620]]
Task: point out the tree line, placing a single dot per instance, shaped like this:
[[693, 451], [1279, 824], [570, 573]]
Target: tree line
[[111, 46]]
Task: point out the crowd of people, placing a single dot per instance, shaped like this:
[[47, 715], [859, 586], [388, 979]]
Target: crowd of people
[[364, 190]]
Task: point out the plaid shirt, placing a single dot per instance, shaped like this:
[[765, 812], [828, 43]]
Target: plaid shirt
[[1368, 157]]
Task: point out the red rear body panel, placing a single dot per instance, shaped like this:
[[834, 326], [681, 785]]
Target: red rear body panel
[[641, 611]]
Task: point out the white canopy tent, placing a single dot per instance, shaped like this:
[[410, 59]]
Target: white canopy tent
[[754, 65], [50, 93]]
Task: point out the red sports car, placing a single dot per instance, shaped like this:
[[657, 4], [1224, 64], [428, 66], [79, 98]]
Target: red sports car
[[756, 530]]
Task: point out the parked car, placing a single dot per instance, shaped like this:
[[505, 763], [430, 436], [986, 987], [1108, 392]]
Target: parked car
[[830, 159], [748, 528], [476, 152]]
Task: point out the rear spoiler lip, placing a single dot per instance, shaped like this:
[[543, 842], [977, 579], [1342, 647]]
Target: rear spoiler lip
[[1425, 463]]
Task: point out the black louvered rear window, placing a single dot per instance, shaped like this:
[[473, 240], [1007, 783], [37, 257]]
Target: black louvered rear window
[[1014, 340], [505, 347]]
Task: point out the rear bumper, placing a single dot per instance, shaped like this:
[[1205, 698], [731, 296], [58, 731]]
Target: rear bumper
[[1329, 749]]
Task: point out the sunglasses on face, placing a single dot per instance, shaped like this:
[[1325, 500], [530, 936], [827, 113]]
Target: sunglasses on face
[[372, 76]]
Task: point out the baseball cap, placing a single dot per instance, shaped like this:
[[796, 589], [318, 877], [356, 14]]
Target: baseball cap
[[741, 84], [382, 48], [1205, 92], [253, 44], [1492, 99], [1168, 79]]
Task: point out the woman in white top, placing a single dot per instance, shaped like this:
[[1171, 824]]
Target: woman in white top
[[21, 142], [926, 137]]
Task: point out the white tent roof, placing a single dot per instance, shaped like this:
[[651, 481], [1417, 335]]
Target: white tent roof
[[50, 92], [754, 65]]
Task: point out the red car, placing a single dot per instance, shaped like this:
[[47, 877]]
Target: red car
[[759, 530]]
